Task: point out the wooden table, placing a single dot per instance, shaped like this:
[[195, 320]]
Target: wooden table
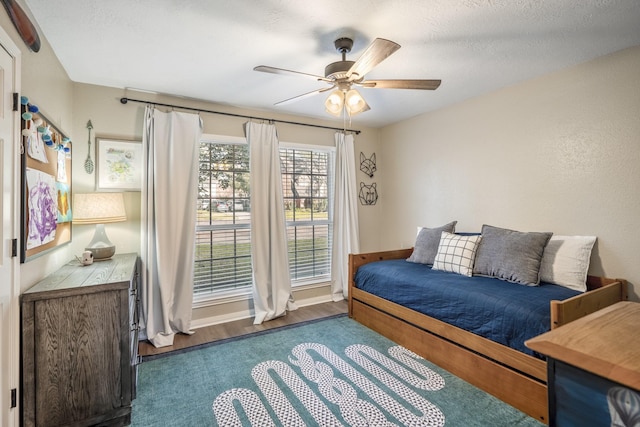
[[594, 367]]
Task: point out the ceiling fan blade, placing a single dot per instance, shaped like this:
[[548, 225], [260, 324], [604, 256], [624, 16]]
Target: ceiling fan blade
[[274, 70], [402, 84], [375, 53], [304, 95]]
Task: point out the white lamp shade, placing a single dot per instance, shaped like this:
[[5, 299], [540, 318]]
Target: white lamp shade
[[98, 208], [355, 103], [334, 103], [351, 101]]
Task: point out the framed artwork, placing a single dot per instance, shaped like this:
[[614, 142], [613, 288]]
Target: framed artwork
[[46, 185], [118, 165]]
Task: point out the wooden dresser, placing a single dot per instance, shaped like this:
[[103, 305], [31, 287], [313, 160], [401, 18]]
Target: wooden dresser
[[79, 345], [594, 368]]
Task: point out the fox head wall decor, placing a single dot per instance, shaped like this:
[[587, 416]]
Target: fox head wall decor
[[368, 166]]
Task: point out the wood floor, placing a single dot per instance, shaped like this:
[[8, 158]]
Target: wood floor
[[242, 327]]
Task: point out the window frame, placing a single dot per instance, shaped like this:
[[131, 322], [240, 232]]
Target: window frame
[[245, 292], [331, 176]]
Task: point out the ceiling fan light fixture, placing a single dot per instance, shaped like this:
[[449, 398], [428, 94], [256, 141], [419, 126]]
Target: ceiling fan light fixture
[[355, 103], [334, 103], [353, 98], [343, 74]]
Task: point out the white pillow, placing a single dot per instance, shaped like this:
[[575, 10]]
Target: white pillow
[[456, 253], [565, 261]]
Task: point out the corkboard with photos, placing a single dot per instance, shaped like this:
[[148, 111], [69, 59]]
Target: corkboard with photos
[[46, 184]]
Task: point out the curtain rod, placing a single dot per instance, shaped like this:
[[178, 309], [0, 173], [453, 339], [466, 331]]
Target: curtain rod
[[124, 100]]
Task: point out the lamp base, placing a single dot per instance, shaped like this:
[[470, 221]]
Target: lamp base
[[101, 254], [101, 247]]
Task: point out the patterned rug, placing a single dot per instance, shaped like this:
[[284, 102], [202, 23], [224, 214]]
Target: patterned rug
[[333, 372]]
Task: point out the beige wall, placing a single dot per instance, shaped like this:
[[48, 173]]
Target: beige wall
[[46, 84], [70, 105], [559, 153], [556, 153], [112, 119]]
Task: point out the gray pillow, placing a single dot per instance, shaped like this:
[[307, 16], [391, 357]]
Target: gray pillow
[[426, 247], [510, 255]]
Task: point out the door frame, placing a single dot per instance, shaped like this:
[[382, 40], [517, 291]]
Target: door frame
[[12, 415]]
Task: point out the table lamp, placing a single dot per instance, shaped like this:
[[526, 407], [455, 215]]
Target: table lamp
[[99, 209]]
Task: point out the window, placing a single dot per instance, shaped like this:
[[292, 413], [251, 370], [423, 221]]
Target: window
[[307, 183], [223, 246]]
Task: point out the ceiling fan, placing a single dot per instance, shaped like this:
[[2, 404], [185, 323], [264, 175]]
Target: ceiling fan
[[343, 75]]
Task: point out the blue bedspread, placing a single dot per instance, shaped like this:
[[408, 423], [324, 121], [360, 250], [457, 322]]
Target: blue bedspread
[[503, 312]]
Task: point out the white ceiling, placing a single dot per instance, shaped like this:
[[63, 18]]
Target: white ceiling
[[206, 49]]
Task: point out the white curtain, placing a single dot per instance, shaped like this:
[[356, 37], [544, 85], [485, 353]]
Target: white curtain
[[345, 216], [272, 295], [168, 220]]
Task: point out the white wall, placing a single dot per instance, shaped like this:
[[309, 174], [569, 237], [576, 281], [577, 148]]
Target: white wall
[[559, 153]]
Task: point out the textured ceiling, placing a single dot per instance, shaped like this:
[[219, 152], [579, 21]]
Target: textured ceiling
[[206, 49]]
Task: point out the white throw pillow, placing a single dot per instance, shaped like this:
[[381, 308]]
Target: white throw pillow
[[565, 261], [456, 253]]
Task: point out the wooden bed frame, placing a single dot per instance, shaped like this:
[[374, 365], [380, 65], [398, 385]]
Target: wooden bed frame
[[512, 376]]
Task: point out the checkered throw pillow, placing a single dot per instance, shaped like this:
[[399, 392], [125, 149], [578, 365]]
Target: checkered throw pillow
[[456, 253]]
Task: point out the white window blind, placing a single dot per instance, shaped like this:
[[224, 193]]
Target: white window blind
[[307, 182], [223, 246]]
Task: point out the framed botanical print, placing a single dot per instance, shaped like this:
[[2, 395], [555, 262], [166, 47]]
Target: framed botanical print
[[119, 165]]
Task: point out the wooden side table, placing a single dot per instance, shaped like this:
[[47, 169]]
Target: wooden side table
[[594, 368]]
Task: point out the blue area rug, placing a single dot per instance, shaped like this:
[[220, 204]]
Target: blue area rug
[[333, 372]]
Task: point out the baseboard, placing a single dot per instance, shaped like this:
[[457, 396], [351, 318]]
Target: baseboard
[[242, 308]]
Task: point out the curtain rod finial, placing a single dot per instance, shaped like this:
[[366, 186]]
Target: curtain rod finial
[[124, 100]]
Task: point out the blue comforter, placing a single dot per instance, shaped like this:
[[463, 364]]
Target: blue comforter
[[503, 312]]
